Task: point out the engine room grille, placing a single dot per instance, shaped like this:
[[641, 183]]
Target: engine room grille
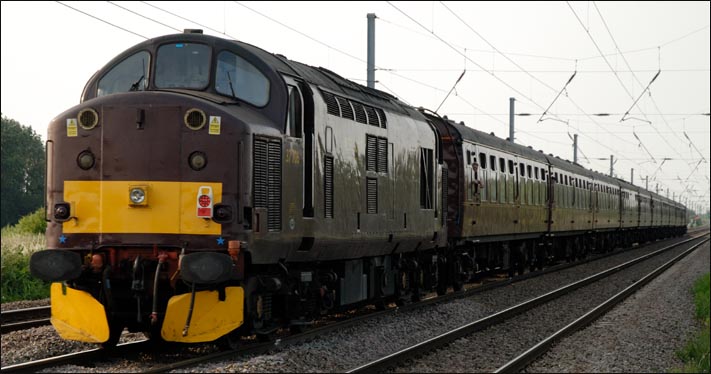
[[267, 180], [376, 154], [383, 119], [371, 155], [372, 195], [359, 112], [353, 110], [382, 155], [328, 186], [331, 104], [346, 110], [372, 116]]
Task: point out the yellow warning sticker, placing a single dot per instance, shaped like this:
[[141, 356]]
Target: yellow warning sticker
[[215, 125], [72, 127]]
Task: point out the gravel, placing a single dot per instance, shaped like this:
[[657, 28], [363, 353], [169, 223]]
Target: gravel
[[13, 305]]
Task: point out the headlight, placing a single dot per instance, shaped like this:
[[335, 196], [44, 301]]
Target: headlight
[[85, 160], [137, 195], [197, 160]]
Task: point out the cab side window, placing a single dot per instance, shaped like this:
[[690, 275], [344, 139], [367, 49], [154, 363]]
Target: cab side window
[[238, 78], [294, 117]]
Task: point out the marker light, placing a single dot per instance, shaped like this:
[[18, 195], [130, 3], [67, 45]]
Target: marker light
[[88, 118]]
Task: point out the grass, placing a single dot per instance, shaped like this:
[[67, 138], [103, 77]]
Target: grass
[[19, 242], [696, 352]]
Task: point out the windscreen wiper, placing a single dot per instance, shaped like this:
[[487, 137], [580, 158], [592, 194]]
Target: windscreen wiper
[[134, 87]]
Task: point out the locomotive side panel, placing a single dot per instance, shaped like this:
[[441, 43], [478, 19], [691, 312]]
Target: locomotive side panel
[[366, 182]]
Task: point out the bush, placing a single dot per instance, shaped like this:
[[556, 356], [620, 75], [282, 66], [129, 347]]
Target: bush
[[19, 242], [696, 353], [33, 223], [17, 283]]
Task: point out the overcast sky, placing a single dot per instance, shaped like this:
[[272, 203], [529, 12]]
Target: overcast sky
[[525, 50]]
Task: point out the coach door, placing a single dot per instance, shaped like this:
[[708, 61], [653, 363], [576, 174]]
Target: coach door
[[295, 202]]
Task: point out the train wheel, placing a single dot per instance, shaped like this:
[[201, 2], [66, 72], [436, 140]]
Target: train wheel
[[265, 336], [402, 288], [457, 283], [257, 313], [296, 329], [442, 275], [231, 341]]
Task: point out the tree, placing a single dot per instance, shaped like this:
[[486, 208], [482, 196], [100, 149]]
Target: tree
[[23, 168]]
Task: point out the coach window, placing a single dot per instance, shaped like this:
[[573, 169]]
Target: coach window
[[182, 65], [482, 168], [128, 75], [238, 78]]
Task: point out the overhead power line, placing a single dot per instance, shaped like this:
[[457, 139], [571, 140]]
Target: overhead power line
[[637, 79], [301, 33], [187, 19], [102, 20], [467, 57], [587, 31]]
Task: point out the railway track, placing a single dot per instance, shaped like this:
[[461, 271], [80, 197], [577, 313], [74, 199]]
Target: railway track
[[20, 319], [261, 348], [431, 345], [251, 347], [525, 358]]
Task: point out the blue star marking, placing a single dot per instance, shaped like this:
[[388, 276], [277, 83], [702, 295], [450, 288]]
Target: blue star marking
[[220, 241], [62, 239]]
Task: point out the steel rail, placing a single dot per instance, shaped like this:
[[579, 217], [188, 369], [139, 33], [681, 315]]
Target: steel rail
[[20, 319], [75, 357]]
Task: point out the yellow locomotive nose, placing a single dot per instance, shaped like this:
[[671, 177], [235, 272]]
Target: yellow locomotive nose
[[149, 207]]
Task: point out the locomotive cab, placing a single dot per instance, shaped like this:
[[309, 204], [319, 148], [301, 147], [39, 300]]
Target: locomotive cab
[[204, 187]]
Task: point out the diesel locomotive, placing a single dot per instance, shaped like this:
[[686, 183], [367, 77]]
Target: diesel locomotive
[[206, 189]]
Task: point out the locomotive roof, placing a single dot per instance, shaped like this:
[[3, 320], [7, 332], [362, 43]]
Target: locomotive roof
[[275, 63], [329, 80]]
